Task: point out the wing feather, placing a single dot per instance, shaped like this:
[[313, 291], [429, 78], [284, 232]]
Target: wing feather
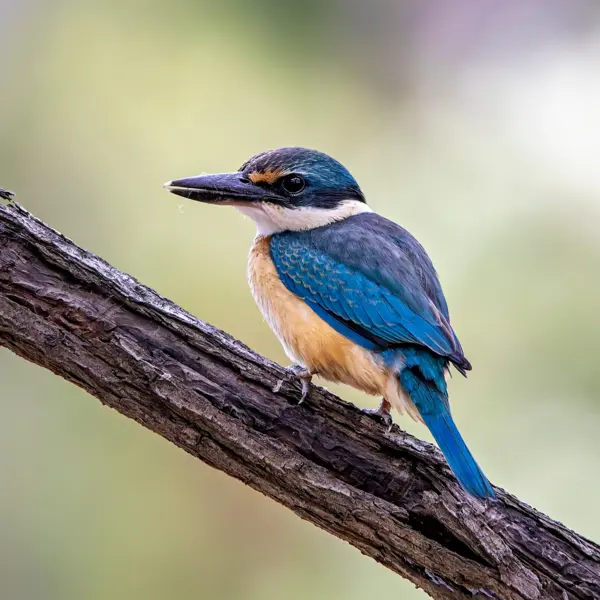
[[350, 300]]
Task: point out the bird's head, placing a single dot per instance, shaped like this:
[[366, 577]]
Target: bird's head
[[289, 189]]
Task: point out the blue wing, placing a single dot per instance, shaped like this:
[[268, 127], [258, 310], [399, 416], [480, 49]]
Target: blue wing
[[371, 281]]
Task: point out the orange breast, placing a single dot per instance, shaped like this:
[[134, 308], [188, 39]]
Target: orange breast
[[307, 339]]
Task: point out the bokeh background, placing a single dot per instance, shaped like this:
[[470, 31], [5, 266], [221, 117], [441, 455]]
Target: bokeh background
[[473, 124]]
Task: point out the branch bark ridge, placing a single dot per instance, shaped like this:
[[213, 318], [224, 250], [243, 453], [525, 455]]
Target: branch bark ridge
[[388, 494]]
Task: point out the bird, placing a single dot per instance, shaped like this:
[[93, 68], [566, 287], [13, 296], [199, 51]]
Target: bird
[[352, 296]]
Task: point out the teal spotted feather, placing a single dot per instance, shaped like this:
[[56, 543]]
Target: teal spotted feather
[[379, 314], [373, 283]]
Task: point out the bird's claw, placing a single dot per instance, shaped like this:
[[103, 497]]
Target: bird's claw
[[305, 384], [383, 412], [297, 373]]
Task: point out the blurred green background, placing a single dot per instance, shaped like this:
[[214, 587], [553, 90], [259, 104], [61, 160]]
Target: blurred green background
[[473, 124]]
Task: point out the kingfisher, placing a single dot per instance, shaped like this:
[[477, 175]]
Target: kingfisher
[[352, 296]]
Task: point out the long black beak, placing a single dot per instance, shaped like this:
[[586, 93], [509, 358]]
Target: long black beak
[[221, 188]]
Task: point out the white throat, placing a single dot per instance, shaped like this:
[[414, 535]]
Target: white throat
[[271, 218]]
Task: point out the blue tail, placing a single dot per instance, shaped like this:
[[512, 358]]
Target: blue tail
[[432, 403], [457, 454]]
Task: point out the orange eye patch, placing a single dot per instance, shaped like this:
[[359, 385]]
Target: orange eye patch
[[269, 176]]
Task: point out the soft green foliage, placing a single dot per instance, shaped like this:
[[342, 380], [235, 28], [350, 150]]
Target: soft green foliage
[[103, 102]]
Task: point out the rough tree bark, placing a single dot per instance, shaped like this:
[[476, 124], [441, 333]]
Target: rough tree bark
[[389, 495]]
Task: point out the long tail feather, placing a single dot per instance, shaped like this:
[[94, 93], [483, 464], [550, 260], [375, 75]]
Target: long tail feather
[[431, 401], [459, 457]]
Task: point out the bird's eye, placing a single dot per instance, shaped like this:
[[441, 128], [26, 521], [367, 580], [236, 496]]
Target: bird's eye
[[293, 184]]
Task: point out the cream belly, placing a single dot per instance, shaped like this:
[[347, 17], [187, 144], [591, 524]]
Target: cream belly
[[309, 341]]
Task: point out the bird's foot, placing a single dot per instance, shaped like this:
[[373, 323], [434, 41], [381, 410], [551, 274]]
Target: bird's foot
[[299, 373], [383, 412]]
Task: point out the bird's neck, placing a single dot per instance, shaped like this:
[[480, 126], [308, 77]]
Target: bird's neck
[[271, 218]]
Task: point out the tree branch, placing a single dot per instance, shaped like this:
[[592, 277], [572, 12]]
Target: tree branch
[[389, 495]]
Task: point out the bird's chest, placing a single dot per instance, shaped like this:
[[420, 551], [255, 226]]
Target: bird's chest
[[306, 338], [287, 315]]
